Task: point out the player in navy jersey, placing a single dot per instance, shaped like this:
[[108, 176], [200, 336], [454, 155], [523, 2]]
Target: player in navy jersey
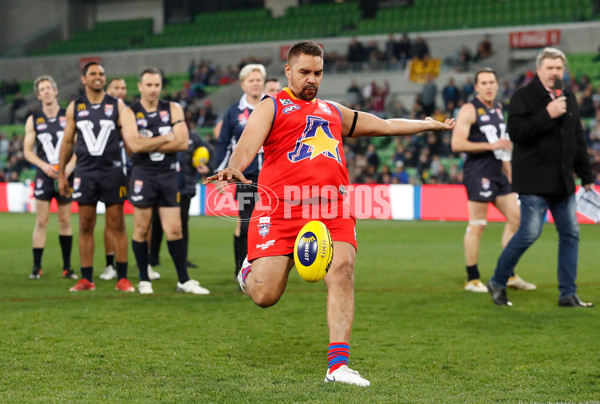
[[480, 132], [93, 119], [252, 80], [44, 132], [154, 131]]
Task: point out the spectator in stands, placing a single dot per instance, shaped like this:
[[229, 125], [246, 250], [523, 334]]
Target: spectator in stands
[[399, 111], [357, 55], [371, 156], [450, 94], [404, 50], [378, 98], [484, 48], [391, 54], [18, 102], [420, 49], [354, 95], [429, 94], [586, 104], [399, 174]]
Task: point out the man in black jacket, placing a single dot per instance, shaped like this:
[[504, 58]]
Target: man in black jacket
[[545, 128]]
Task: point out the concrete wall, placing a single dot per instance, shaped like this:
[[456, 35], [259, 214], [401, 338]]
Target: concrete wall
[[22, 20]]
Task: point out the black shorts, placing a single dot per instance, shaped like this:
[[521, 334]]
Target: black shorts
[[151, 188], [46, 188], [107, 185], [483, 189]]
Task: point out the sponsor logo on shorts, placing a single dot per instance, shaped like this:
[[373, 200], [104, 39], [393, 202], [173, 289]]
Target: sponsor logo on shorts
[[38, 192], [137, 186], [136, 198], [263, 229], [266, 245], [76, 184], [485, 194], [485, 183], [39, 182], [76, 195]]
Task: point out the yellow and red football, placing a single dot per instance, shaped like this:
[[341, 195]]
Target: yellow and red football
[[313, 251]]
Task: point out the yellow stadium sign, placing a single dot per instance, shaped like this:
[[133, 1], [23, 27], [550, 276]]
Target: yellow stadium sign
[[419, 70]]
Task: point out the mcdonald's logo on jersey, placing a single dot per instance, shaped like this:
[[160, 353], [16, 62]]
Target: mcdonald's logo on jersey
[[81, 107], [316, 140]]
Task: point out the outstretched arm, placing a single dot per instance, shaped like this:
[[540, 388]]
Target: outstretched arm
[[371, 125]]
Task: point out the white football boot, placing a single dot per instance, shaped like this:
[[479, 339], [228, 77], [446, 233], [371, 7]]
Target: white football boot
[[192, 287], [475, 285], [109, 273], [516, 282], [152, 274], [344, 374], [240, 280], [145, 288]]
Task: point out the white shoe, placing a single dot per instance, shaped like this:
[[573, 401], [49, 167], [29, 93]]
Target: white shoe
[[475, 285], [240, 280], [516, 282], [145, 288], [152, 274], [192, 287], [109, 273], [344, 374]]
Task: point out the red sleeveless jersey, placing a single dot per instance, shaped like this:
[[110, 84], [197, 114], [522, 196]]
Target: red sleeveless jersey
[[304, 147]]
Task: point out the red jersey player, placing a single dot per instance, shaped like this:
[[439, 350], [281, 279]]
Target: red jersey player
[[302, 140]]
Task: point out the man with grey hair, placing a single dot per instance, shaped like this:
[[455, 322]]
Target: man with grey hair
[[252, 81], [545, 128]]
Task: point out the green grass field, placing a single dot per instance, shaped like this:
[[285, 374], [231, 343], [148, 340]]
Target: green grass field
[[418, 337]]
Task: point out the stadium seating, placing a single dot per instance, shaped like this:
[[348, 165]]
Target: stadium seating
[[580, 64], [322, 20]]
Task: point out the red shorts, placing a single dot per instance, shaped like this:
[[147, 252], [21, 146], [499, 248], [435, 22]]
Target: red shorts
[[275, 233]]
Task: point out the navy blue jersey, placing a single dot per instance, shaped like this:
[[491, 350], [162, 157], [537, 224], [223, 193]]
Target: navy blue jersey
[[49, 133], [98, 138], [151, 124], [488, 127], [234, 122]]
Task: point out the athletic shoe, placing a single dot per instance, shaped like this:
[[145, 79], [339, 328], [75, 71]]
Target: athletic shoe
[[240, 280], [69, 274], [145, 288], [516, 282], [475, 285], [109, 273], [36, 273], [192, 287], [83, 284], [344, 374], [152, 274], [124, 285]]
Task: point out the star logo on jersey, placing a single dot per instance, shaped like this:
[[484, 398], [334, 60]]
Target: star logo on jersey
[[316, 140], [108, 110]]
